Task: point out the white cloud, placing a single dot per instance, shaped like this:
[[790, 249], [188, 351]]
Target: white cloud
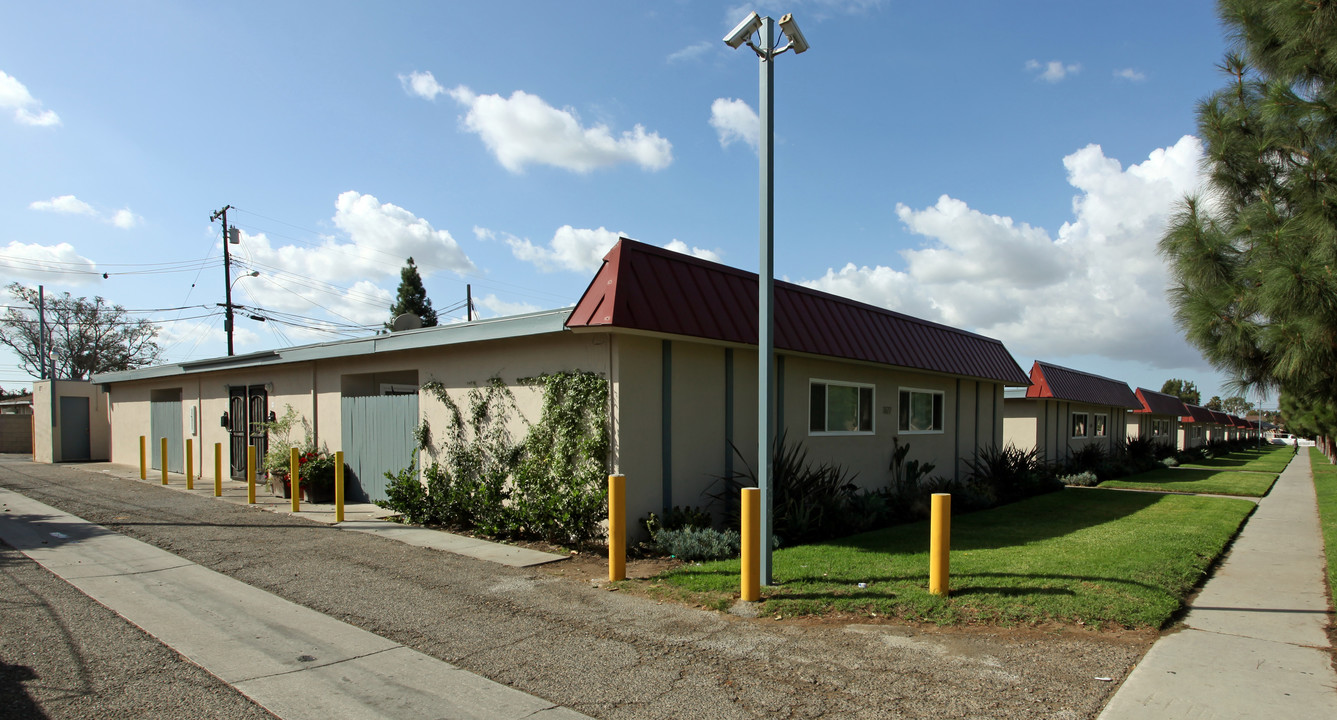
[[734, 120], [681, 247], [27, 109], [125, 219], [502, 308], [422, 84], [693, 52], [1130, 75], [523, 130], [1096, 288], [575, 249], [45, 262], [64, 204], [379, 237], [1052, 71]]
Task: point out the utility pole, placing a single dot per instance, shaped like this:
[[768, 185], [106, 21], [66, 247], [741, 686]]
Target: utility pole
[[469, 302], [41, 331], [227, 277]]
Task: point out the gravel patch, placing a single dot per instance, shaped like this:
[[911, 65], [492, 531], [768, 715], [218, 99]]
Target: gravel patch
[[604, 653]]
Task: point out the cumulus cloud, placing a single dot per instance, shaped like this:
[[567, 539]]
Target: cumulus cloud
[[1130, 75], [1052, 71], [422, 84], [679, 246], [125, 219], [576, 249], [524, 130], [27, 109], [375, 239], [502, 308], [1095, 287], [735, 120], [40, 262], [64, 204]]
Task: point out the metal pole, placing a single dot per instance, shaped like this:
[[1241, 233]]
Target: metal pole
[[766, 297], [469, 302]]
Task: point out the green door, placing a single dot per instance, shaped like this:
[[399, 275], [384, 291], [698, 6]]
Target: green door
[[378, 435]]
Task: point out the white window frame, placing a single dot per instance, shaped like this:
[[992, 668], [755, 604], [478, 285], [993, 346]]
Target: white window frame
[[398, 389], [942, 420], [1095, 425], [1086, 424], [872, 407]]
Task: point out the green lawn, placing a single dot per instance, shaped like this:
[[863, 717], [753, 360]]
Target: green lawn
[[1267, 458], [1325, 486], [1096, 556], [1198, 480]]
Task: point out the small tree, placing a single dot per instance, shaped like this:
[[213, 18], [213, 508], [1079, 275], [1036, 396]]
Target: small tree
[[412, 297], [1237, 405], [1215, 404], [83, 337], [1185, 390]]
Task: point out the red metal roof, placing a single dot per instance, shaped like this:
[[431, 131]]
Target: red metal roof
[[642, 287], [1157, 403], [1060, 383], [1197, 413]]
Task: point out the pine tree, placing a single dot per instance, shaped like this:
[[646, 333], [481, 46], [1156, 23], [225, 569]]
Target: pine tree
[[1254, 259], [412, 297]]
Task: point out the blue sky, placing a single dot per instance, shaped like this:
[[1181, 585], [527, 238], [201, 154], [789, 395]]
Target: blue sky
[[1003, 167]]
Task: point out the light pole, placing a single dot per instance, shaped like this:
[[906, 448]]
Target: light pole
[[766, 50]]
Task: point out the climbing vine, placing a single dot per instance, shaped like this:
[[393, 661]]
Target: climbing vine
[[548, 485]]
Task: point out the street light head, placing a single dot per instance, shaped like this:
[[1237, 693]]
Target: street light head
[[790, 28], [740, 34]]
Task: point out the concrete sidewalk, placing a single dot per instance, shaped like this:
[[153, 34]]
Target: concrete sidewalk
[[1254, 642], [359, 517], [295, 662]]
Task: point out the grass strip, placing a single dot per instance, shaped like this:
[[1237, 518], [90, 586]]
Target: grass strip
[[1325, 486], [1198, 480], [1266, 458], [1093, 556]]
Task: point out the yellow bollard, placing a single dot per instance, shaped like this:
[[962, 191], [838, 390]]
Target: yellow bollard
[[218, 469], [190, 464], [940, 544], [250, 474], [295, 479], [162, 458], [617, 527], [143, 459], [751, 541], [339, 486]]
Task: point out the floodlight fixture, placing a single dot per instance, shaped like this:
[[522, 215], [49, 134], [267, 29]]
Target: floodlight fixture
[[743, 32]]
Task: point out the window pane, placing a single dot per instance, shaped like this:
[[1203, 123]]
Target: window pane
[[866, 409], [817, 408], [1099, 425], [842, 408], [1079, 424], [937, 411], [904, 410], [921, 411]]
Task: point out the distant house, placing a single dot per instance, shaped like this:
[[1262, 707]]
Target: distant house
[[17, 405], [1196, 427], [1158, 418], [16, 424], [1065, 410], [676, 338]]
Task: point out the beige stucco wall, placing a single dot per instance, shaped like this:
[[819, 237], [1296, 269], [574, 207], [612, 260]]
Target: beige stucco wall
[[1139, 426], [1049, 423], [699, 443], [47, 421]]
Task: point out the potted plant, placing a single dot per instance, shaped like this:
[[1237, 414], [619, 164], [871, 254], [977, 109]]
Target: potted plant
[[317, 476]]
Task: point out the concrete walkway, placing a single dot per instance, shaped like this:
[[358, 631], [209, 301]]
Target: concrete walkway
[[359, 517], [295, 662], [1254, 643]]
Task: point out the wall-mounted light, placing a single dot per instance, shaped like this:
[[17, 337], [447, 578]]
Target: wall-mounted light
[[223, 421]]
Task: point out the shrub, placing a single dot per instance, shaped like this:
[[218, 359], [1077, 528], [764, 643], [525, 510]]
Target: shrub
[[676, 519], [693, 543], [1009, 474], [1088, 458], [1170, 462], [1083, 479], [406, 495]]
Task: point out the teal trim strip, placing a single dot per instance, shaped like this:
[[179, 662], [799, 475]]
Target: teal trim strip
[[728, 412], [666, 423]]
